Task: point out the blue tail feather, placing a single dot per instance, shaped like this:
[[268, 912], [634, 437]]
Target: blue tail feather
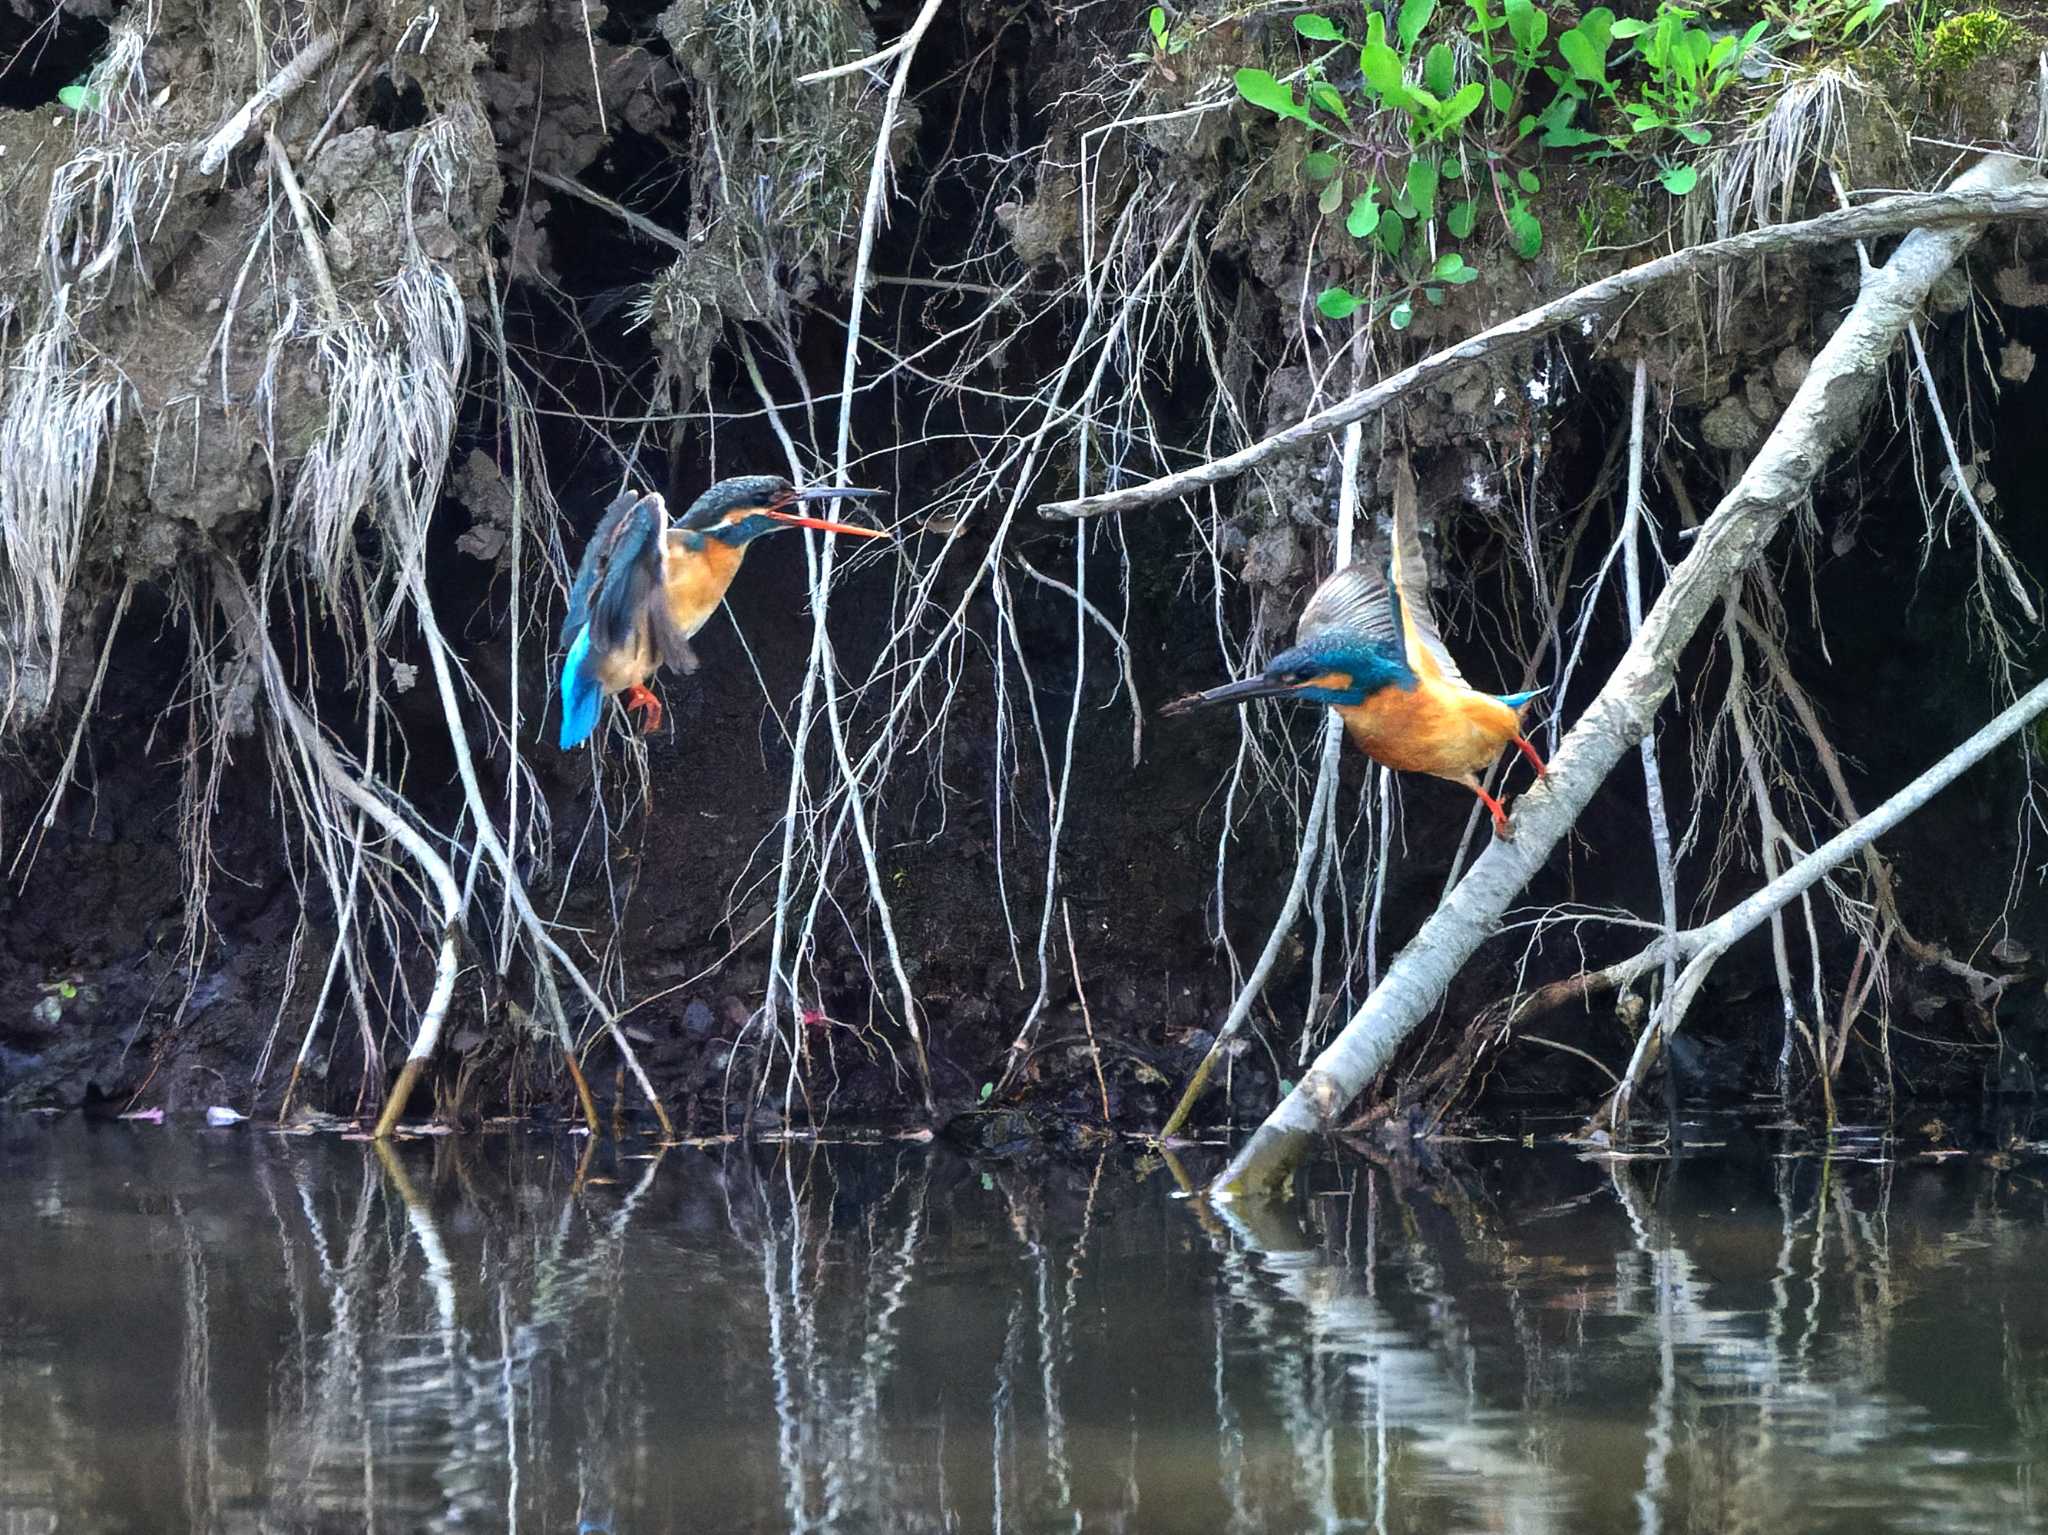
[[582, 697], [1516, 700]]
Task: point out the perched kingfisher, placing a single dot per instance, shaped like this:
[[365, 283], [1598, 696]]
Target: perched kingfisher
[[1367, 646], [646, 585]]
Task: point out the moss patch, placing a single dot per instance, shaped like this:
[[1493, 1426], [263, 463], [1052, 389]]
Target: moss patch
[[1962, 40]]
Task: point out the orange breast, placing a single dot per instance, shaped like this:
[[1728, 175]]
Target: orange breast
[[629, 666], [1430, 728], [694, 581]]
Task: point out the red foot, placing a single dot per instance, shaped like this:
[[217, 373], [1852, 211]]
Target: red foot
[[638, 697], [1500, 816], [1530, 752]]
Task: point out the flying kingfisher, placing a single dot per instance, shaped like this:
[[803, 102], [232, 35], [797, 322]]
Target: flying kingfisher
[[646, 585], [1367, 646]]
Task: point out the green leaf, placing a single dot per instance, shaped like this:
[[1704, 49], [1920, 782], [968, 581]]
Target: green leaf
[[1461, 218], [1415, 16], [1694, 133], [1382, 69], [1434, 295], [1624, 30], [1679, 179], [1364, 217], [1585, 47], [1319, 29], [1422, 184], [1318, 165], [1460, 107], [1498, 95], [1527, 181], [1526, 231], [986, 1089], [1524, 23], [1447, 267], [1333, 196], [1260, 88], [1157, 22], [1401, 314], [1392, 233], [1440, 70], [79, 98], [1337, 303], [1328, 98]]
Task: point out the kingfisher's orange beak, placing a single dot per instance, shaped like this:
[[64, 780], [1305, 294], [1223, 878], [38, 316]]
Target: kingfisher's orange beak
[[825, 493]]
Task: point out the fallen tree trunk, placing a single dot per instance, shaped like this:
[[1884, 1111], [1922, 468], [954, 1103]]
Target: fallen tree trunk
[[1828, 407]]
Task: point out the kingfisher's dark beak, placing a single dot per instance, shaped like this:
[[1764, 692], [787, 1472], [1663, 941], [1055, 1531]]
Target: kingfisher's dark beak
[[826, 493], [1232, 693]]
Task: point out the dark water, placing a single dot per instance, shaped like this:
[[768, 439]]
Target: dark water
[[232, 1330]]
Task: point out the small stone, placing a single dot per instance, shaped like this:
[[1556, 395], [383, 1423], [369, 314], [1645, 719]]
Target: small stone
[[1729, 425], [1762, 403], [2017, 289], [2016, 362], [1273, 557], [1788, 371], [1951, 292], [698, 1019]]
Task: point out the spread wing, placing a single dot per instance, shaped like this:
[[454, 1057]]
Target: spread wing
[[1354, 602], [620, 571], [1421, 642]]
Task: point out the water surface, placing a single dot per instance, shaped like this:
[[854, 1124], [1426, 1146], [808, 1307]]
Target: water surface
[[235, 1330]]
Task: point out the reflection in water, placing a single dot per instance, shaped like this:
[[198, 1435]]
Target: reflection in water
[[237, 1331]]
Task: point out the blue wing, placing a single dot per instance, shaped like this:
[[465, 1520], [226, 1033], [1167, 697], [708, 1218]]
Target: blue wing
[[1354, 606], [621, 564], [609, 602], [582, 694]]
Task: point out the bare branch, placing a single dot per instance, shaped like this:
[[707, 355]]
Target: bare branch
[[1932, 210]]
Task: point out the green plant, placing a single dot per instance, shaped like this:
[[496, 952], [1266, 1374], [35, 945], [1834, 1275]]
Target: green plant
[[1392, 170], [1409, 143], [1961, 40], [1166, 41], [1683, 70], [80, 95], [1689, 67]]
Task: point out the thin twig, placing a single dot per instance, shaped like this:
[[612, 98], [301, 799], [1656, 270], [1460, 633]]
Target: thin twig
[[302, 215], [233, 133], [1087, 1018]]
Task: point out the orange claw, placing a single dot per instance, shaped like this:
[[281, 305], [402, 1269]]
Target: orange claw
[[1530, 752], [637, 697]]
